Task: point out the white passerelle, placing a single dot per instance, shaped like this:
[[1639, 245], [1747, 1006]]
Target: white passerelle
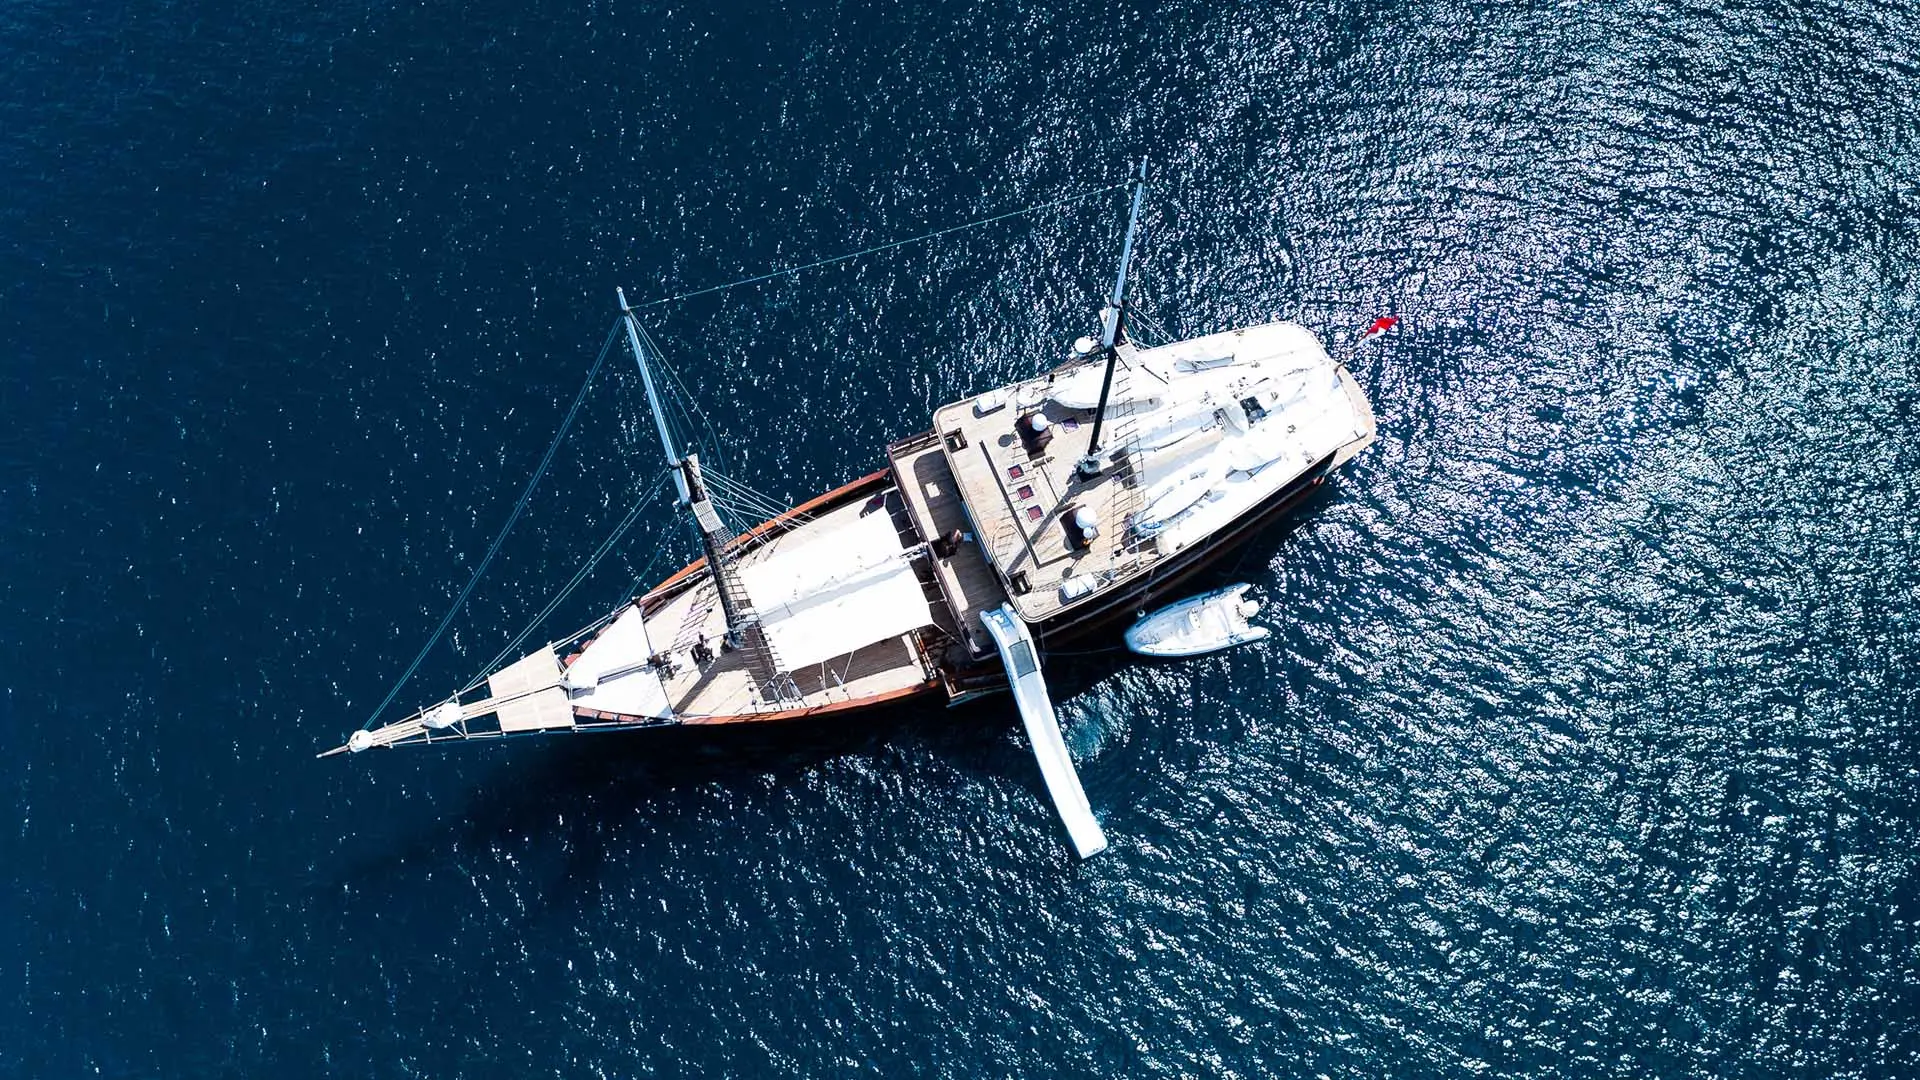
[[1029, 685]]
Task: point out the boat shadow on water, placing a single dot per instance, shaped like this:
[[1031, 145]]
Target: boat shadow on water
[[580, 789]]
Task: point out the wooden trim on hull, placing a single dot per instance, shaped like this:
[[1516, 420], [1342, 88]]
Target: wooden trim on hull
[[854, 705], [687, 575], [845, 492]]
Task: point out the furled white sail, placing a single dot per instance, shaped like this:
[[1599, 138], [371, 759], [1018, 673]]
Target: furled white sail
[[1167, 499], [1081, 390]]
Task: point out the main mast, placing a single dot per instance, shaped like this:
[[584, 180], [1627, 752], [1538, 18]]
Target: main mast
[[1111, 320]]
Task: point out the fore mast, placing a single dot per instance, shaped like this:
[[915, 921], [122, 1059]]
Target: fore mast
[[744, 631]]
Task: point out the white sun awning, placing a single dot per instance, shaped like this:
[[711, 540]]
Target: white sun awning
[[838, 592]]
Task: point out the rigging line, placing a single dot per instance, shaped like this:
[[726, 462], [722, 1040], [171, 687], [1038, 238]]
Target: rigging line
[[746, 514], [630, 424], [579, 576], [677, 400], [715, 448], [736, 493], [755, 510], [746, 496], [1152, 323], [520, 507], [683, 407], [632, 591], [818, 263], [730, 514], [567, 590], [737, 484], [752, 518], [772, 506]]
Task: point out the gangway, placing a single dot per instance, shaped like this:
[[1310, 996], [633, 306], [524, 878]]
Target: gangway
[[1010, 634]]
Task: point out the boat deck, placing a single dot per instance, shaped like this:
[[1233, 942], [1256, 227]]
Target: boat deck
[[1021, 491], [968, 584], [724, 687], [1019, 496]]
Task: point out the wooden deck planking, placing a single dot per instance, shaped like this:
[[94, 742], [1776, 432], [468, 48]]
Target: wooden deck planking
[[724, 687], [1020, 543], [967, 581]]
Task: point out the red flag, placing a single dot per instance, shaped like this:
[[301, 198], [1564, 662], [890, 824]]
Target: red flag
[[1380, 326]]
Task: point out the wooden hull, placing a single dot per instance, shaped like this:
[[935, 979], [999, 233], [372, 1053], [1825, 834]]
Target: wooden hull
[[686, 577], [1077, 625]]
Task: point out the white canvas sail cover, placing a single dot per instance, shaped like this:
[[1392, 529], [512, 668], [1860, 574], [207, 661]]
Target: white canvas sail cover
[[1081, 390], [836, 593], [612, 675]]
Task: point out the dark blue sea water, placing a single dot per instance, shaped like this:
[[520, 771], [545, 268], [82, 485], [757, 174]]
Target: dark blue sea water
[[1586, 744]]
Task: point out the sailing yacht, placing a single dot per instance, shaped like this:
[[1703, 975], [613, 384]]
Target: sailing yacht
[[1026, 516]]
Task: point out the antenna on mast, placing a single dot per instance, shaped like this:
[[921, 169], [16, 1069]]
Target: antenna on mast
[[1111, 320]]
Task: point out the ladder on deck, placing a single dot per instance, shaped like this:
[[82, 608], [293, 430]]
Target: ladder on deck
[[775, 682], [1131, 494]]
